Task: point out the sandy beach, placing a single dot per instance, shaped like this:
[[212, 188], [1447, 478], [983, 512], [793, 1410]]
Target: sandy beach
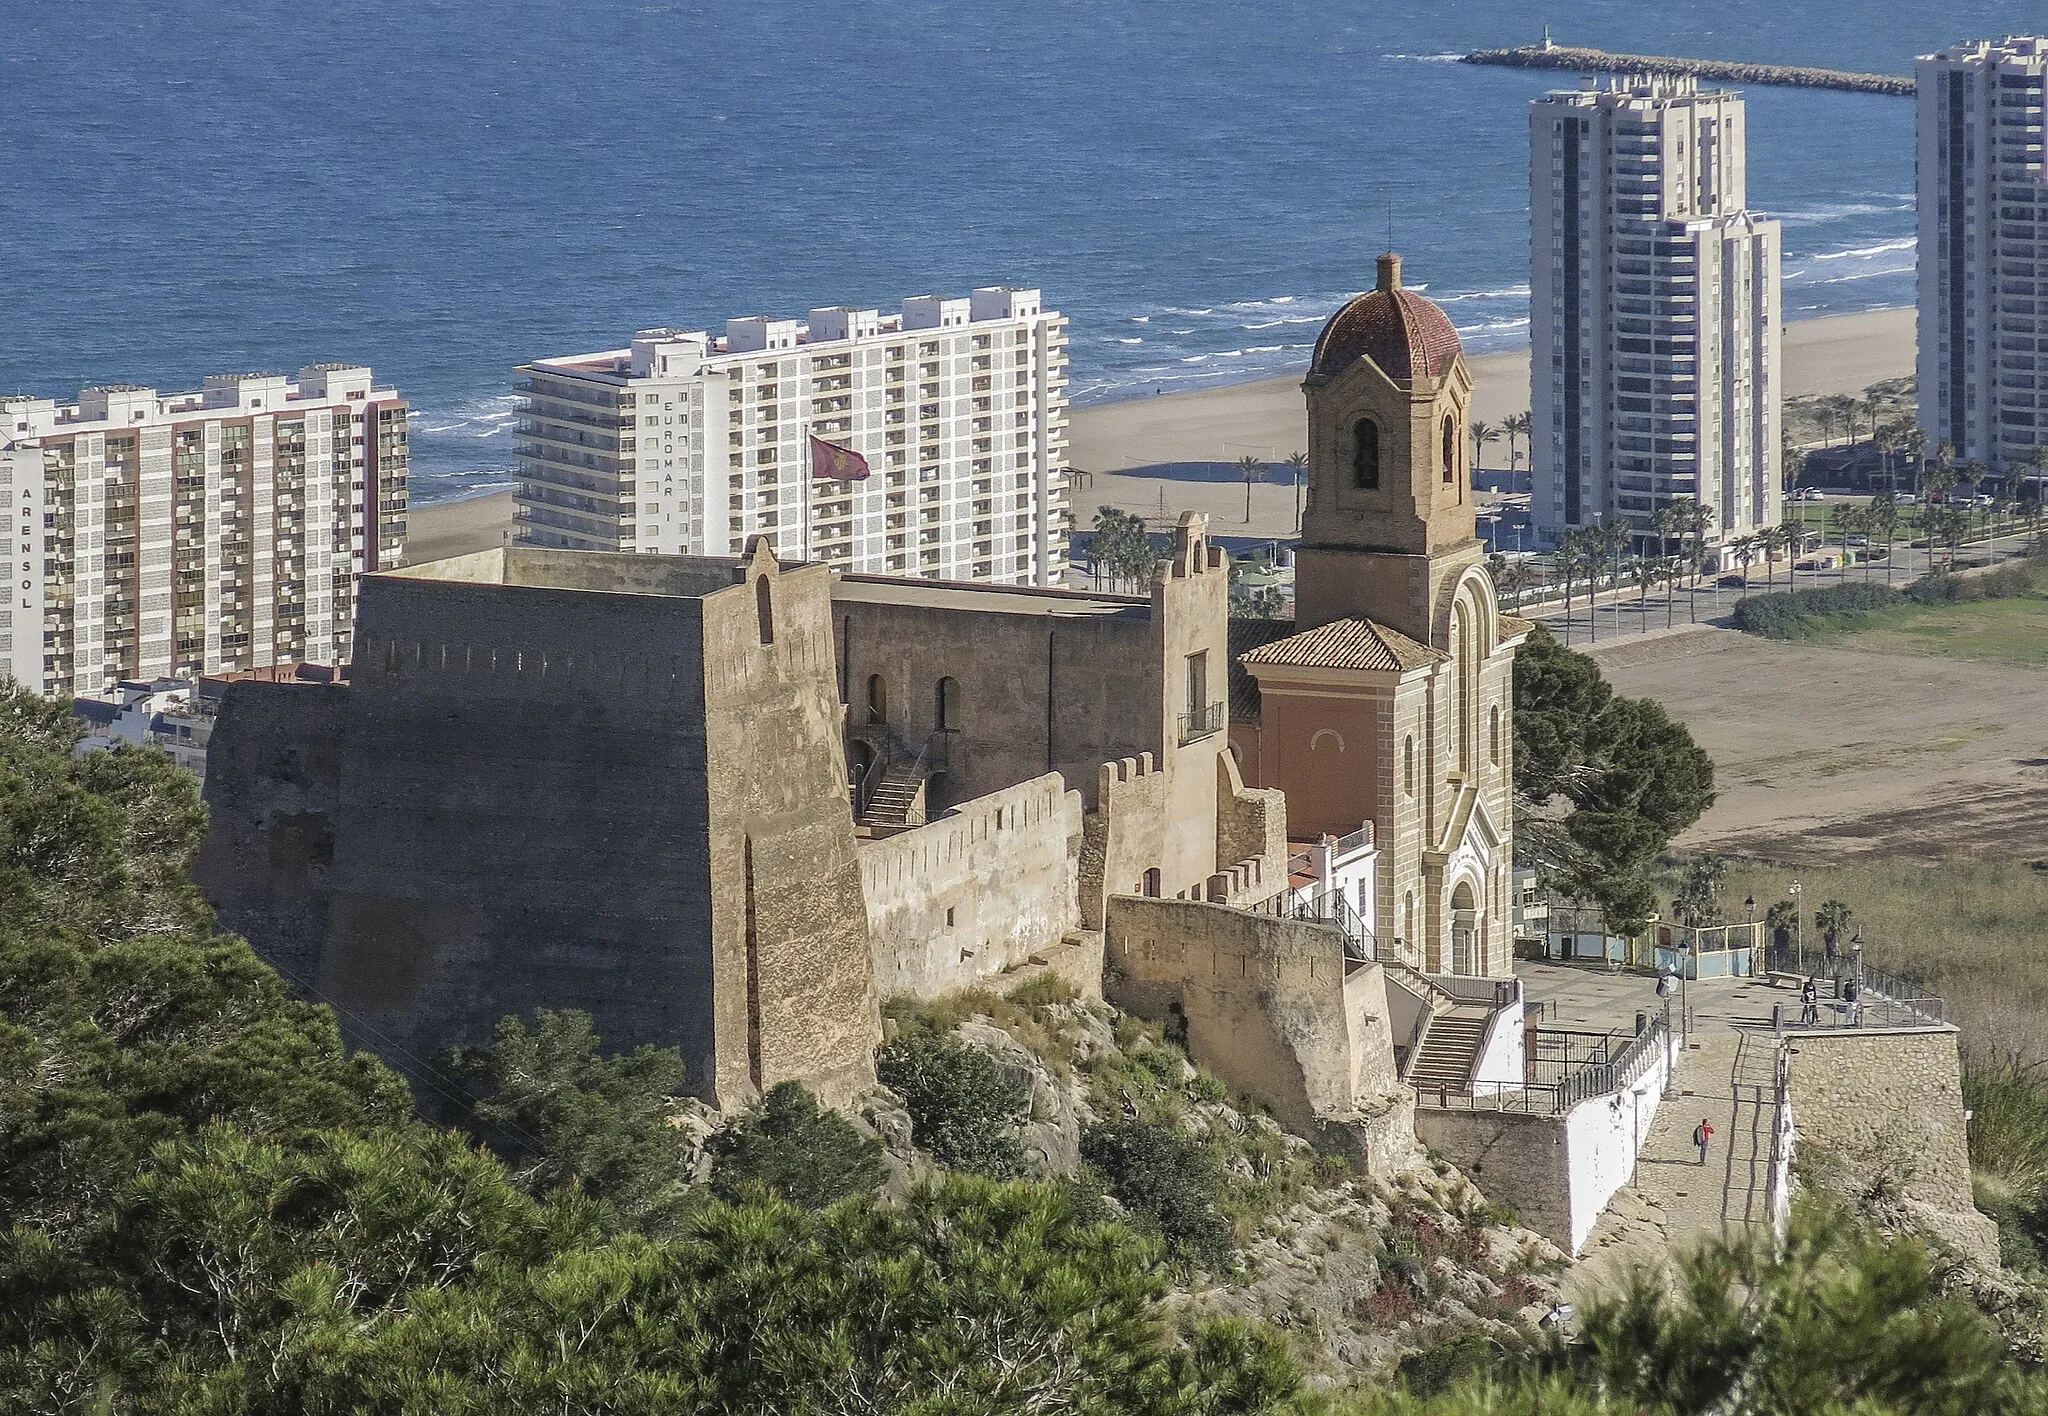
[[1171, 453]]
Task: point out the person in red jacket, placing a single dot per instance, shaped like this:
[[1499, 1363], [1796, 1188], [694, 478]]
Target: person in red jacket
[[1701, 1134]]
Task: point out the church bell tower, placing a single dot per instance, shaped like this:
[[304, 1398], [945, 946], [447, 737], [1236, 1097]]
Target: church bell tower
[[1389, 525]]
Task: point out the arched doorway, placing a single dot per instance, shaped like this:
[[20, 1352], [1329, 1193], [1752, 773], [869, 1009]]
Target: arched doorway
[[878, 699], [1465, 951]]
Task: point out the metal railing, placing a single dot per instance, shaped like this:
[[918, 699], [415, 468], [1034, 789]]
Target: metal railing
[[1853, 994], [1202, 722], [1336, 911], [1556, 1098]]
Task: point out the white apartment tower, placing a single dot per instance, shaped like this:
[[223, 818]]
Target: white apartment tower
[[1654, 310], [172, 535], [1983, 189], [686, 444]]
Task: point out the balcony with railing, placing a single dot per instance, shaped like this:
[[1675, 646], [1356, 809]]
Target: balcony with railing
[[1206, 721]]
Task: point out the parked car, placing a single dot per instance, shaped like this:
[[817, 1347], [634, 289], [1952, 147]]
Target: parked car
[[1807, 494], [1905, 499], [1732, 582]]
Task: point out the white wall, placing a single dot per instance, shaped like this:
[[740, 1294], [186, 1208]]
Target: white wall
[[1501, 1058], [1602, 1139]]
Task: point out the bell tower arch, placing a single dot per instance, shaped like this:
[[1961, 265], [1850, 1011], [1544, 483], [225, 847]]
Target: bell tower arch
[[1389, 523]]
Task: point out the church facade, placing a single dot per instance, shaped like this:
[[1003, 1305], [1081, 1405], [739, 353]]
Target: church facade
[[1386, 705]]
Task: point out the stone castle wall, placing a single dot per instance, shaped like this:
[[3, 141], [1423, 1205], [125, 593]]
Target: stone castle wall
[[1270, 1005], [975, 893], [273, 782], [1886, 1108]]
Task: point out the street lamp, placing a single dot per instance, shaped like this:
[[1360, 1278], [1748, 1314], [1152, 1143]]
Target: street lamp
[[1798, 928], [1856, 954]]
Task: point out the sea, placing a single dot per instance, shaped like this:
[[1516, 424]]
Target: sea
[[445, 188]]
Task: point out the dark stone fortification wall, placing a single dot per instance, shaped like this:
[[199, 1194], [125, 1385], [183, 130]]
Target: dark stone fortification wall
[[272, 778], [522, 819]]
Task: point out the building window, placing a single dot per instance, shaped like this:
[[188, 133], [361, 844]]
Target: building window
[[1365, 455], [1450, 451], [878, 699], [946, 713], [1408, 765], [764, 609], [1152, 884], [1494, 744]]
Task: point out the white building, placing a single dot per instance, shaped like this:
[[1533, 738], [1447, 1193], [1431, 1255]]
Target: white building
[[689, 444], [173, 535], [1983, 188], [1654, 310]]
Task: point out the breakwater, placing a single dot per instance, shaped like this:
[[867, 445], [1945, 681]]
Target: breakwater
[[1600, 61]]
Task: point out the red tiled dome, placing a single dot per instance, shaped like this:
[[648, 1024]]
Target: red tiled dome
[[1398, 329]]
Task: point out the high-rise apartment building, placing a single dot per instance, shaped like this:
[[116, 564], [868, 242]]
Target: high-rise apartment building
[[172, 535], [1654, 310], [687, 444], [1983, 180]]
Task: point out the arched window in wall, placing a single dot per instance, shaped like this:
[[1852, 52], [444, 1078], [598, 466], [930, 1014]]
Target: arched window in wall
[[1408, 765], [1462, 662], [878, 699], [1450, 451], [1365, 455], [764, 609], [946, 711]]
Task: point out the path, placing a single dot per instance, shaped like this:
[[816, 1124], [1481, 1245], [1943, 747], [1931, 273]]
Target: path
[[1674, 1203]]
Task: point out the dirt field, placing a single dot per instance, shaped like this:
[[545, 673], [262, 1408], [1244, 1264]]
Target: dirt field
[[1835, 753]]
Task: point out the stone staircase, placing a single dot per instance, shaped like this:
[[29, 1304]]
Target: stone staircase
[[897, 802], [1673, 1203], [1450, 1049]]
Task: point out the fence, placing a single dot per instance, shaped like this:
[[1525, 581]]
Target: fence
[[1574, 1084], [1853, 994]]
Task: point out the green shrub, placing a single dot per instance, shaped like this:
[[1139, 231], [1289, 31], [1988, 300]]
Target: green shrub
[[560, 1113], [1168, 1181], [964, 1107], [796, 1150], [1799, 614]]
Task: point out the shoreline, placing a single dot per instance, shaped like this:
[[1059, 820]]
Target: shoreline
[[1162, 454]]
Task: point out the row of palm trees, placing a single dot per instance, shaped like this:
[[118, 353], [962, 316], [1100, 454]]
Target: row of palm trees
[[1935, 473], [1252, 469], [1514, 428]]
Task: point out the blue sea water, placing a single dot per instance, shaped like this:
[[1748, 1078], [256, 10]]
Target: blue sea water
[[443, 188]]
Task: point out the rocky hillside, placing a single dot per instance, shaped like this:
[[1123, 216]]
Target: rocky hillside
[[1364, 1272]]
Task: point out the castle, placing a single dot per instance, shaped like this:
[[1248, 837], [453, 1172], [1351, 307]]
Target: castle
[[730, 806]]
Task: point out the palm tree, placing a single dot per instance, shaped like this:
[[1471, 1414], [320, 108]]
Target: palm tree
[[1646, 576], [1914, 443], [1297, 465], [1824, 414], [1791, 462], [1251, 469], [1516, 426], [1745, 553], [1616, 537], [1881, 518], [1671, 570], [1833, 918], [1511, 580], [1482, 433], [1566, 562]]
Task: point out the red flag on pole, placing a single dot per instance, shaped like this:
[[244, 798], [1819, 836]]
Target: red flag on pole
[[840, 464]]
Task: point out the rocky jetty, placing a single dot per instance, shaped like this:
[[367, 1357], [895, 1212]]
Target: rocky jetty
[[1600, 61]]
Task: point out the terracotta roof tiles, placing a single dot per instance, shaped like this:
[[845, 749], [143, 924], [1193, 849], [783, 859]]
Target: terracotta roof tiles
[[1347, 644]]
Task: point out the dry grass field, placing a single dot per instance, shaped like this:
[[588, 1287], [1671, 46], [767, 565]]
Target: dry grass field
[[1911, 786], [1831, 753]]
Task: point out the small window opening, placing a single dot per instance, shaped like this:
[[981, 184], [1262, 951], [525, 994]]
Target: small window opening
[[1365, 455], [764, 609]]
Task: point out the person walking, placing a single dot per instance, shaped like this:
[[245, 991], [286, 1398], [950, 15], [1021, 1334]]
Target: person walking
[[1809, 1001], [1701, 1134]]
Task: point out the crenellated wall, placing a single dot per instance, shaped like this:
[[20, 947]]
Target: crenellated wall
[[985, 888]]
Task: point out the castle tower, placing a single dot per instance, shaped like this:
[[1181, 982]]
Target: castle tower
[[1389, 525]]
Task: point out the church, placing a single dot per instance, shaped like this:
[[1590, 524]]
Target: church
[[1386, 705]]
